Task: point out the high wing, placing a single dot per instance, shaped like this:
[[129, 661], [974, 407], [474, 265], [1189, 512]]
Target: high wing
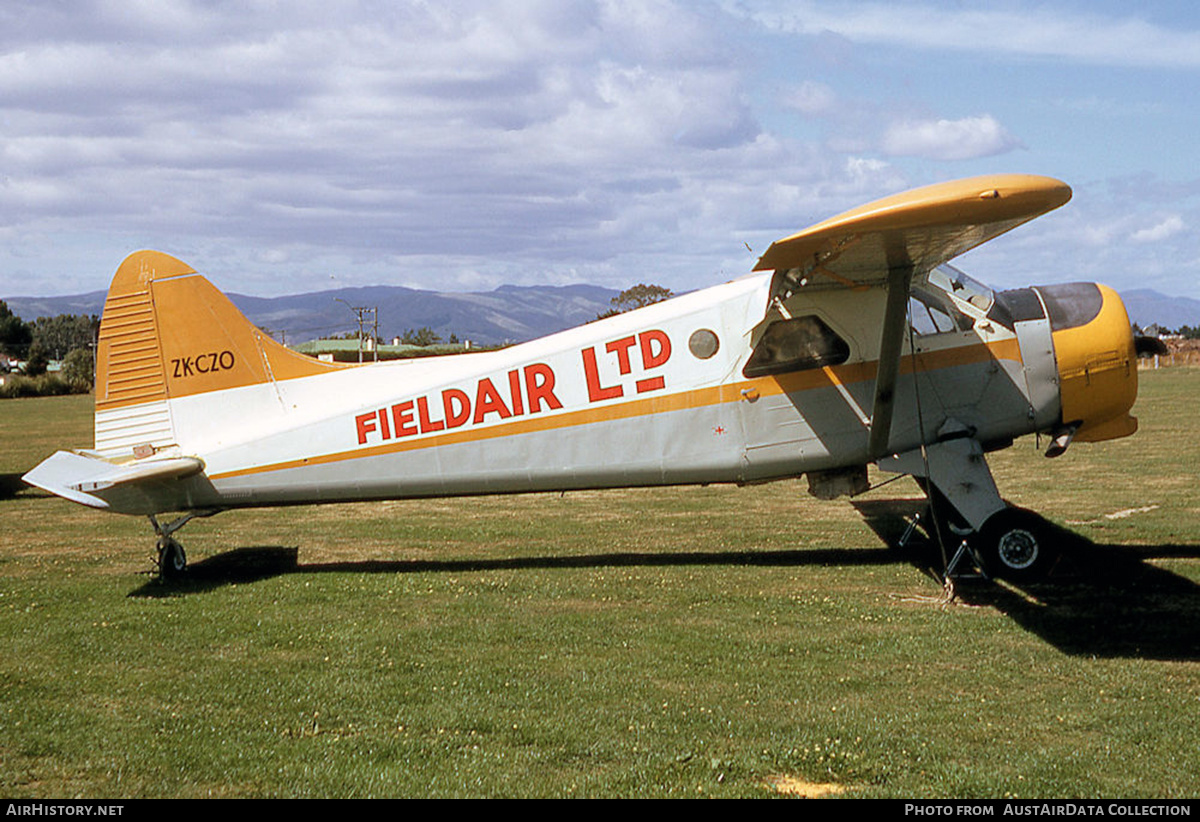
[[920, 229], [894, 243]]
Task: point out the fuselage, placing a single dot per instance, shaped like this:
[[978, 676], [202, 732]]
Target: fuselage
[[698, 389]]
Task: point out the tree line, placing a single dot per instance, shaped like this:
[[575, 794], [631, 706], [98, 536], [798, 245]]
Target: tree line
[[67, 338], [1187, 332]]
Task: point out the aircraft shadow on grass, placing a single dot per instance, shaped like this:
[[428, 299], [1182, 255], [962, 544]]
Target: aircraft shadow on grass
[[1099, 600], [11, 485]]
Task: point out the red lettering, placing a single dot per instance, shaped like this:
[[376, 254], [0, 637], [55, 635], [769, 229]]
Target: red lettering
[[621, 349], [402, 416], [366, 425], [651, 384], [514, 390], [543, 390], [596, 391], [455, 418], [646, 340], [427, 424], [488, 400], [384, 427]]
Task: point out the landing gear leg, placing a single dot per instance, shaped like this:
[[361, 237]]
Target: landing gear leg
[[171, 559], [962, 494]]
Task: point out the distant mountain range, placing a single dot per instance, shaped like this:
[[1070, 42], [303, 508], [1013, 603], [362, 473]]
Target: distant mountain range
[[508, 314], [1147, 307]]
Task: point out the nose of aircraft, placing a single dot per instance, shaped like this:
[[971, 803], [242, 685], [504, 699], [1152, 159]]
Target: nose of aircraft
[[1096, 357]]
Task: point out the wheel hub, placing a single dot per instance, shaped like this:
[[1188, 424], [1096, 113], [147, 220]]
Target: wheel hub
[[1018, 549]]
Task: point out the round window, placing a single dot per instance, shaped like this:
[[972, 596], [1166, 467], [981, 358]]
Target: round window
[[703, 344]]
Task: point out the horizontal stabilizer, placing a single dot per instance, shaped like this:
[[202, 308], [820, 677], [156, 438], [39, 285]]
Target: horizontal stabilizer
[[79, 477]]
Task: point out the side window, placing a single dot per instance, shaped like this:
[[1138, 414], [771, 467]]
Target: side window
[[795, 345]]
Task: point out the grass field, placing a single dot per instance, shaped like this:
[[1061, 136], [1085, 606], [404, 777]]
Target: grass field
[[708, 641]]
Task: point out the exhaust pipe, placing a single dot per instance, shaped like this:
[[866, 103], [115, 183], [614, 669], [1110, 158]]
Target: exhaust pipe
[[1060, 438]]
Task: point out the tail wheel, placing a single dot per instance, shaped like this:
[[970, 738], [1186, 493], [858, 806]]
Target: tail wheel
[[1014, 544], [172, 561]]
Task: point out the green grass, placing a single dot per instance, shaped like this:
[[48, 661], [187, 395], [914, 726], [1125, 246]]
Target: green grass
[[664, 642]]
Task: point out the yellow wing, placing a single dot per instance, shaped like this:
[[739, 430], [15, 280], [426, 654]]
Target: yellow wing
[[917, 230], [894, 243]]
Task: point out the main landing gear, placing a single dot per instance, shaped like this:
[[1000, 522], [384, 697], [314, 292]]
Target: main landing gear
[[968, 517], [171, 558]]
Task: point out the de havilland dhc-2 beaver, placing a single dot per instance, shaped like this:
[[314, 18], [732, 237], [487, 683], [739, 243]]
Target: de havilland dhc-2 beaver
[[852, 342]]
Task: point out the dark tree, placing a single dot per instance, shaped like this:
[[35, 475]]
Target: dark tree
[[422, 336], [78, 369], [61, 335], [15, 334], [638, 296], [37, 361]]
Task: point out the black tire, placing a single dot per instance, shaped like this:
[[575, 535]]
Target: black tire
[[172, 561], [1015, 544]]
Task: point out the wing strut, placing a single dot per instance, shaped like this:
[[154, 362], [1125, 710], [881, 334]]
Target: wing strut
[[890, 344]]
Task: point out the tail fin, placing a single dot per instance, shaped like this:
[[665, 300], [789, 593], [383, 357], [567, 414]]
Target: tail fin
[[168, 333]]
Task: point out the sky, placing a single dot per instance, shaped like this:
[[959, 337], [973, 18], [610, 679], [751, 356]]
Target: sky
[[282, 147]]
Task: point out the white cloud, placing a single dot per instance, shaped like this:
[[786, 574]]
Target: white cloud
[[964, 139], [1167, 227], [507, 140], [811, 98], [471, 144], [1020, 28]]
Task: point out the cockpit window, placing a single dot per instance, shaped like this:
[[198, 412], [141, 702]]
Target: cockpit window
[[949, 279], [794, 345], [930, 312]]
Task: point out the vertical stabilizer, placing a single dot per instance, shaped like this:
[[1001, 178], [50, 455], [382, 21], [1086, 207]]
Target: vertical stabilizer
[[168, 333]]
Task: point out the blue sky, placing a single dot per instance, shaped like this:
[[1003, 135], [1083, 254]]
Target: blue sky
[[291, 146]]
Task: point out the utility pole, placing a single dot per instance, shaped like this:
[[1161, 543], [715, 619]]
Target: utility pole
[[360, 311], [375, 334]]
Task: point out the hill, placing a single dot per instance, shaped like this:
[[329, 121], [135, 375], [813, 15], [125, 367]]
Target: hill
[[1147, 307], [508, 314]]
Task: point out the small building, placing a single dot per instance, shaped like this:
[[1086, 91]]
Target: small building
[[348, 350]]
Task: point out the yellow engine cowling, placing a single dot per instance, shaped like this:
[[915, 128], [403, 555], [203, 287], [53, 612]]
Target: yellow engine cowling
[[1097, 370]]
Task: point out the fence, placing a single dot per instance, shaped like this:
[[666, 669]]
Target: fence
[[1184, 357]]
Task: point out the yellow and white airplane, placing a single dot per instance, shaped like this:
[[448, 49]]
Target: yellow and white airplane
[[851, 343]]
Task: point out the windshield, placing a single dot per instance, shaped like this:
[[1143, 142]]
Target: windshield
[[952, 281]]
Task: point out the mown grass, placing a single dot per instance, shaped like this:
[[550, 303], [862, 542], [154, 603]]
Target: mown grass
[[664, 642]]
